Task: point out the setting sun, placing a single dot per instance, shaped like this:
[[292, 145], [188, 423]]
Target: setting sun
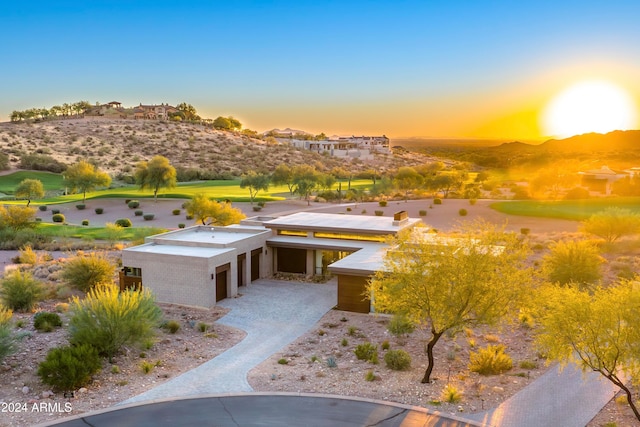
[[589, 106]]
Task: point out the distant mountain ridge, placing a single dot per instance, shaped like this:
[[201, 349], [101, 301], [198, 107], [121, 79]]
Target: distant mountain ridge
[[588, 142]]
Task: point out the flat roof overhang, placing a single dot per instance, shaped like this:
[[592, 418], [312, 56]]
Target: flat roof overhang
[[339, 223]]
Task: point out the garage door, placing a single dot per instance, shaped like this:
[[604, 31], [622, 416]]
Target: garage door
[[292, 260], [351, 294]]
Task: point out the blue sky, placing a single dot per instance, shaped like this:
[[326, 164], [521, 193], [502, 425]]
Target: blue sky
[[403, 68]]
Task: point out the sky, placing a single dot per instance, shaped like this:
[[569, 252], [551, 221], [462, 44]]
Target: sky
[[463, 69]]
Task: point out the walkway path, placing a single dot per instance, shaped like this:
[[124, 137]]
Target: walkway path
[[567, 398], [273, 313]]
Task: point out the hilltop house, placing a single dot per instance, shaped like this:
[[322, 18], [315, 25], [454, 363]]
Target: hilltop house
[[201, 265], [160, 112], [360, 147], [602, 179]]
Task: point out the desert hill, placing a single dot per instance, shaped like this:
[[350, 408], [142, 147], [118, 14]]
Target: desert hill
[[116, 145]]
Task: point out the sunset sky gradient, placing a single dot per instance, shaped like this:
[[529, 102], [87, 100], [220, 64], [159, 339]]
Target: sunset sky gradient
[[402, 68]]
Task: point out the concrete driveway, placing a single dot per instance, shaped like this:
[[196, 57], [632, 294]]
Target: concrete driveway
[[273, 313]]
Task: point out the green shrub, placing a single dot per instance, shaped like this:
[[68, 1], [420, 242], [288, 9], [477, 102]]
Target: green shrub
[[148, 217], [422, 212], [385, 345], [490, 360], [261, 203], [525, 231], [348, 209], [370, 376], [6, 315], [27, 255], [85, 222], [133, 204], [171, 326], [83, 272], [99, 211], [257, 208], [344, 342], [123, 222], [181, 225], [473, 201], [331, 362], [42, 207], [382, 203], [528, 364], [188, 217], [146, 366], [398, 360], [55, 211], [283, 361], [20, 291], [81, 207], [462, 212], [176, 211], [367, 351], [109, 319], [8, 341], [437, 201], [68, 368], [378, 213], [399, 326], [203, 327], [58, 218], [46, 322], [138, 212]]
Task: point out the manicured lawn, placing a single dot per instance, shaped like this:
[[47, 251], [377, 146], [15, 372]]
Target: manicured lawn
[[566, 209], [50, 181], [94, 233]]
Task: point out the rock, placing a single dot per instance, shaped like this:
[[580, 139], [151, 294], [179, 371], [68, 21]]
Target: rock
[[498, 389], [82, 390], [46, 394], [25, 390]]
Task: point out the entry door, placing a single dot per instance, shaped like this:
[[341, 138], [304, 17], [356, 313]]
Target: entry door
[[242, 269], [221, 281], [255, 264]]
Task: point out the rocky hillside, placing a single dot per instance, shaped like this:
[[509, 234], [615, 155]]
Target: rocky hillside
[[117, 145]]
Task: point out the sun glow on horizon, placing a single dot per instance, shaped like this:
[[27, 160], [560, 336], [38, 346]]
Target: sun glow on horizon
[[589, 106]]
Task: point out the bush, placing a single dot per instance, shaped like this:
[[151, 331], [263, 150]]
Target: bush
[[283, 361], [80, 207], [188, 217], [437, 201], [84, 272], [55, 211], [42, 207], [422, 212], [370, 376], [525, 231], [138, 212], [69, 368], [171, 326], [8, 341], [573, 262], [99, 211], [85, 222], [58, 218], [5, 316], [378, 213], [450, 394], [46, 322], [176, 211], [181, 225], [20, 291], [472, 201], [261, 203], [490, 360], [109, 319], [367, 351], [398, 360], [123, 222], [462, 212], [399, 326], [133, 204], [257, 208], [385, 345], [382, 203], [148, 217], [27, 255]]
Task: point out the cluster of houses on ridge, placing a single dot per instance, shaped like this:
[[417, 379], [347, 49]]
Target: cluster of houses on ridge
[[148, 112]]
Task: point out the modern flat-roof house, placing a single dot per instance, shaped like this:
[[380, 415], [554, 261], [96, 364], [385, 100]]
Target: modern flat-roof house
[[201, 265], [601, 179]]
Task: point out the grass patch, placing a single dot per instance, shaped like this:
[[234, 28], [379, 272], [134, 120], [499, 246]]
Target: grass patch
[[566, 209], [96, 233], [50, 181]]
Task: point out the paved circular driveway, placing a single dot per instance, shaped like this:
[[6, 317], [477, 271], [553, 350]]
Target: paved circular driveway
[[257, 409]]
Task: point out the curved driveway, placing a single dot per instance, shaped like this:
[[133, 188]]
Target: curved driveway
[[273, 313]]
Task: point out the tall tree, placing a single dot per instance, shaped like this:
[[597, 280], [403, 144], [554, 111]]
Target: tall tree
[[283, 175], [255, 182], [407, 179], [207, 211], [83, 177], [30, 189], [305, 181], [612, 224], [445, 284], [155, 174], [599, 330], [188, 111]]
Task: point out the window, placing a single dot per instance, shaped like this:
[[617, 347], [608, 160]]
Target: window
[[292, 233], [348, 236]]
